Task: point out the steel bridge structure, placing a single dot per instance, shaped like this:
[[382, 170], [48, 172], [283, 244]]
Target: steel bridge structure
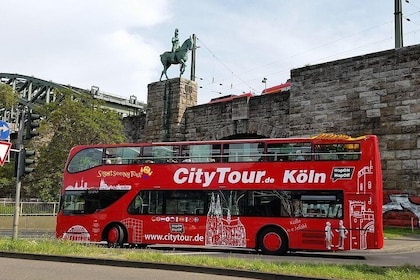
[[34, 91]]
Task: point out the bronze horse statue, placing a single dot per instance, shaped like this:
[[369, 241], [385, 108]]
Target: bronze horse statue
[[180, 56]]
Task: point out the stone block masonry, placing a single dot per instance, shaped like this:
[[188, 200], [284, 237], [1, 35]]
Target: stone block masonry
[[166, 104]]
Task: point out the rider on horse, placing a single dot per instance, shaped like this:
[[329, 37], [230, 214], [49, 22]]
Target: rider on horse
[[178, 54]]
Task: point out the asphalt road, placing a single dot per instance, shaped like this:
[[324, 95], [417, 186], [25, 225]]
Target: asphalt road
[[25, 269]]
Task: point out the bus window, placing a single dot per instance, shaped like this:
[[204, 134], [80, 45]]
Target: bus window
[[168, 154], [147, 155], [90, 201], [267, 203], [154, 201], [340, 151], [122, 155], [288, 151], [242, 152], [184, 202], [73, 202], [160, 154], [137, 206], [216, 153], [196, 153], [227, 202], [85, 159], [322, 204], [147, 202]]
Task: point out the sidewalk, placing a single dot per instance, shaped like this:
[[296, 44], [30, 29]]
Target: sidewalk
[[409, 244], [401, 245]]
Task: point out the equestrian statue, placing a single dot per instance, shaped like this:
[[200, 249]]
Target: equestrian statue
[[178, 55]]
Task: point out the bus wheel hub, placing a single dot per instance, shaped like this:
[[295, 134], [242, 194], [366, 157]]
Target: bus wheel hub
[[272, 241]]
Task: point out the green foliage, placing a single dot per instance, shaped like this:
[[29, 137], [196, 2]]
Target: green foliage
[[7, 181], [394, 233], [8, 97], [7, 209], [71, 122]]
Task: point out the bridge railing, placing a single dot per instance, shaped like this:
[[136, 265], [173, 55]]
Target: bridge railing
[[7, 208]]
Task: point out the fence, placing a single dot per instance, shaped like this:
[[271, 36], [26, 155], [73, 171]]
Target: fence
[[7, 208]]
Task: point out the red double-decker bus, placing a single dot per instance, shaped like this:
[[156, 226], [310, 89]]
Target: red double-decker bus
[[272, 195]]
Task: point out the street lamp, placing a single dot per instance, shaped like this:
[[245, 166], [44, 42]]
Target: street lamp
[[264, 81]]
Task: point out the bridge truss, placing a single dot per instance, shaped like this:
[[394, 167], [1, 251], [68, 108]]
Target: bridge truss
[[34, 91]]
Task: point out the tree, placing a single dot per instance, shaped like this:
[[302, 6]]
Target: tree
[[7, 181], [8, 97], [73, 121]]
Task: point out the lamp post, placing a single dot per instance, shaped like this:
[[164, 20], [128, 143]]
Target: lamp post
[[264, 81]]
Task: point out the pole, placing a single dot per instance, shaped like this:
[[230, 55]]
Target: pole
[[19, 172], [193, 57], [398, 24], [17, 211]]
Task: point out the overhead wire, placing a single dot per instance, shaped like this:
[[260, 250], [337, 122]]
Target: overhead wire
[[224, 65], [247, 82]]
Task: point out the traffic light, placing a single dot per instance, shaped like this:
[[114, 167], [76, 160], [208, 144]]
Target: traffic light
[[29, 160], [32, 123], [24, 162]]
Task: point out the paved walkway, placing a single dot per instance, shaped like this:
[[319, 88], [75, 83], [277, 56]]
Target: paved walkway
[[396, 252], [403, 244]]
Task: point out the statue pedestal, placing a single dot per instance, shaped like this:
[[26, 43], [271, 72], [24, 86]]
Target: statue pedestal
[[166, 104]]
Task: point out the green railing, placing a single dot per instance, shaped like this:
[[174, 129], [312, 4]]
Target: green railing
[[7, 208]]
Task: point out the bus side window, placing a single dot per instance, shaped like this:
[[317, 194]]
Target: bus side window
[[165, 154], [215, 153], [147, 156], [339, 151], [136, 206], [171, 206], [122, 155], [293, 151], [297, 208]]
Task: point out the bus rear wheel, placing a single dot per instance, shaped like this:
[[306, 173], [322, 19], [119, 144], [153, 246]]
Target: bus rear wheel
[[115, 236], [273, 241]]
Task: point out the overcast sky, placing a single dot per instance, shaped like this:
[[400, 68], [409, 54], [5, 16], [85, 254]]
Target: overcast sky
[[115, 45]]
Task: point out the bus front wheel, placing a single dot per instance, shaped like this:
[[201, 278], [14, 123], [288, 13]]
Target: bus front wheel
[[115, 235], [273, 241]]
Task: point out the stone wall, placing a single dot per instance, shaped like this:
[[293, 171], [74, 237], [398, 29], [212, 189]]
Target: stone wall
[[259, 116], [166, 104]]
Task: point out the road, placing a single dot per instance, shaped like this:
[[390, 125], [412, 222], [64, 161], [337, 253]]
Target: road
[[23, 269], [28, 233]]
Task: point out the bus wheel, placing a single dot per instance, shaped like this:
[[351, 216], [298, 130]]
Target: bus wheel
[[115, 236], [273, 241]]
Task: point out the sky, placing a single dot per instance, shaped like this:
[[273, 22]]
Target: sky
[[116, 45]]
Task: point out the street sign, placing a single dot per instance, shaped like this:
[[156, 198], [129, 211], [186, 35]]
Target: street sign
[[4, 130], [4, 151]]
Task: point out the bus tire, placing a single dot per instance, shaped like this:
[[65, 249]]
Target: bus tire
[[115, 235], [273, 241]]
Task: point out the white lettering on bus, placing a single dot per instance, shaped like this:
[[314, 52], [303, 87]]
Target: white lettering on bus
[[303, 176], [222, 174]]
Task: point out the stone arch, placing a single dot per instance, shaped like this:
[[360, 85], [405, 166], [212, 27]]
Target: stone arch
[[254, 130]]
